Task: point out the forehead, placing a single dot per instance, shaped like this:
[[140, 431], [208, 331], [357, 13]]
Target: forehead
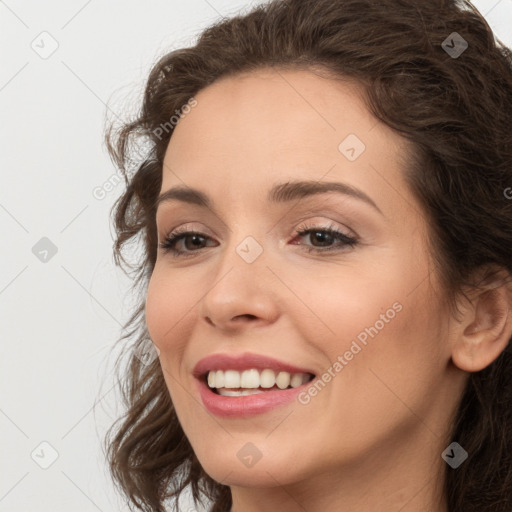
[[282, 108], [252, 130]]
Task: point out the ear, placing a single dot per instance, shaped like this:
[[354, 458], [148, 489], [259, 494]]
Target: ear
[[486, 325]]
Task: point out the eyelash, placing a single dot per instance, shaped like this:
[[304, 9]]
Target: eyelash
[[169, 243]]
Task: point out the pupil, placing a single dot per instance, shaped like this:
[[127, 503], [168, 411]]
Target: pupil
[[322, 235], [195, 238]]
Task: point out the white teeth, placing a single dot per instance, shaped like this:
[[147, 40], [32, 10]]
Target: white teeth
[[231, 379], [283, 380], [267, 378], [250, 380], [219, 378], [296, 380]]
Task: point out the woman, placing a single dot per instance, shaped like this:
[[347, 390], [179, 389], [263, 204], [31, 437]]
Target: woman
[[325, 212]]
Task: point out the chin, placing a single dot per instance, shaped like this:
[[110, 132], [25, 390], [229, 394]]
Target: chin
[[226, 468], [235, 475]]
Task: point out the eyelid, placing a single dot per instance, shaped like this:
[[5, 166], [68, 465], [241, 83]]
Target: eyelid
[[326, 220], [306, 221], [326, 225], [347, 240], [181, 228]]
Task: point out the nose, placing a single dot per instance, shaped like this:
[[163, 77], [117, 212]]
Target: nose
[[242, 293]]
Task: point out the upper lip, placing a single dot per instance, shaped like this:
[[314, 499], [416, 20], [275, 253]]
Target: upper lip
[[244, 361]]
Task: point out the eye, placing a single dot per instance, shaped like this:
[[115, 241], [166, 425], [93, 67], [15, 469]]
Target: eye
[[171, 241], [325, 236]]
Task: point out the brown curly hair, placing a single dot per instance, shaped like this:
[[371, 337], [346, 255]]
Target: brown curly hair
[[456, 111]]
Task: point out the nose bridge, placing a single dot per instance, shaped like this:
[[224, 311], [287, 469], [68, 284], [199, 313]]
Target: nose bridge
[[246, 240], [242, 282], [243, 259]]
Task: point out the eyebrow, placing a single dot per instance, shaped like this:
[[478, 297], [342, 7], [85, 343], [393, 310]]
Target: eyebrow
[[280, 193]]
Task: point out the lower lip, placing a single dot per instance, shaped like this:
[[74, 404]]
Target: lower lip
[[245, 406]]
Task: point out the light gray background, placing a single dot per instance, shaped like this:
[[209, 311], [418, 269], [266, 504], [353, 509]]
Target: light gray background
[[60, 318]]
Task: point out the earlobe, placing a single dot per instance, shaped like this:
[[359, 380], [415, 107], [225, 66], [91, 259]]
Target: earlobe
[[485, 329]]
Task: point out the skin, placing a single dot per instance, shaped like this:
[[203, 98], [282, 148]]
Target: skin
[[372, 438]]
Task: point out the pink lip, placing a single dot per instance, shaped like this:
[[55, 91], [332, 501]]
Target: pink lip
[[243, 362], [244, 406]]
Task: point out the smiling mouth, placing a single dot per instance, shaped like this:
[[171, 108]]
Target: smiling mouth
[[253, 381]]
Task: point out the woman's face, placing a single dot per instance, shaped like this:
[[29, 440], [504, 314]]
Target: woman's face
[[366, 318]]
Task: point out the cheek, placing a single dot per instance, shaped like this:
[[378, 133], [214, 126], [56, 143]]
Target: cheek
[[168, 302], [155, 310], [345, 307], [167, 308], [393, 361], [380, 324]]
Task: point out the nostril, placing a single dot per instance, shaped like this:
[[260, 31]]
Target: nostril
[[246, 316]]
